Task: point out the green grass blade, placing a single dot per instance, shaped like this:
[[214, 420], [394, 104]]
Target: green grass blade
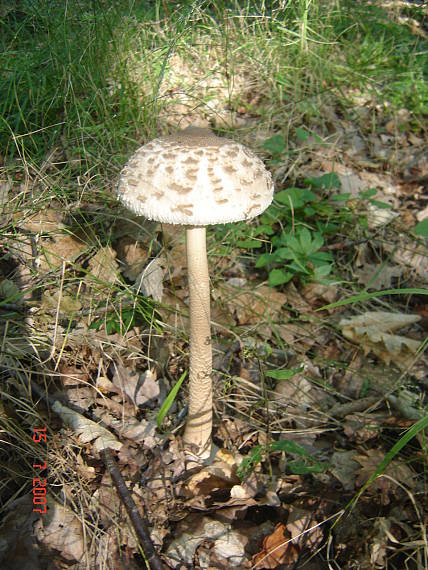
[[365, 296], [420, 425], [170, 399]]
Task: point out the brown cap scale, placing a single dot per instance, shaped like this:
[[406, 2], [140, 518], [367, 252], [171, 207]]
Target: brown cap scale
[[195, 178]]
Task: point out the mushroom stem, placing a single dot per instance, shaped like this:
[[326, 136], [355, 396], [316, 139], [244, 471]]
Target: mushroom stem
[[197, 434]]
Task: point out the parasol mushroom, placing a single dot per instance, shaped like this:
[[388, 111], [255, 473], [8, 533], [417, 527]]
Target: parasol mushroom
[[195, 178]]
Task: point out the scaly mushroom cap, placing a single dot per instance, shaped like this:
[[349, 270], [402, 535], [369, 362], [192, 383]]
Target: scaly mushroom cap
[[195, 178]]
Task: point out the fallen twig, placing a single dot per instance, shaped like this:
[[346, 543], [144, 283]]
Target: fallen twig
[[140, 527]]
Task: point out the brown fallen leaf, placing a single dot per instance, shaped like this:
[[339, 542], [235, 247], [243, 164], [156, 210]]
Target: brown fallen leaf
[[103, 266], [60, 530], [377, 276], [304, 529], [382, 486], [221, 474], [372, 331], [46, 220], [141, 388], [345, 468], [317, 294], [17, 548], [251, 306], [361, 428], [189, 534], [277, 549], [133, 257], [406, 253], [53, 252], [87, 430], [150, 280]]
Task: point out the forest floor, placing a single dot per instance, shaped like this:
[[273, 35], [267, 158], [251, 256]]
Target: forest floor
[[319, 313]]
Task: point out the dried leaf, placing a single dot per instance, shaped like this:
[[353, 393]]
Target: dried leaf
[[17, 548], [344, 468], [150, 280], [277, 549], [61, 531], [133, 255], [303, 528], [379, 321], [142, 432], [86, 429], [370, 331], [5, 188], [252, 306], [103, 266], [294, 394], [190, 533], [140, 388], [221, 474], [379, 542], [369, 462], [68, 304], [378, 217], [407, 254], [231, 547], [378, 277], [360, 428], [46, 220], [54, 252]]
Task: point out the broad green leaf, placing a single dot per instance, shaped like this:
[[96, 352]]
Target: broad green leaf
[[309, 211], [322, 270], [369, 193], [299, 266], [276, 145], [265, 259], [284, 253], [381, 205], [326, 181], [321, 257], [115, 322], [279, 277], [421, 229], [341, 197], [291, 197], [293, 243], [308, 195], [288, 447], [305, 241], [264, 229], [318, 241], [302, 134]]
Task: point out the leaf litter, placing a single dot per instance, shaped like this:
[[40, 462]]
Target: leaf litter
[[355, 382]]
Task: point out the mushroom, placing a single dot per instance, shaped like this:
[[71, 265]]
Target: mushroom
[[194, 178]]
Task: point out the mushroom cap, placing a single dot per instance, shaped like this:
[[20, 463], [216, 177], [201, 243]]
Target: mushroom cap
[[195, 178]]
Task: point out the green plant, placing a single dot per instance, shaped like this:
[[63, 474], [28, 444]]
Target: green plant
[[123, 317], [293, 229], [421, 229], [301, 464], [413, 431], [297, 254], [366, 296], [169, 400]]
